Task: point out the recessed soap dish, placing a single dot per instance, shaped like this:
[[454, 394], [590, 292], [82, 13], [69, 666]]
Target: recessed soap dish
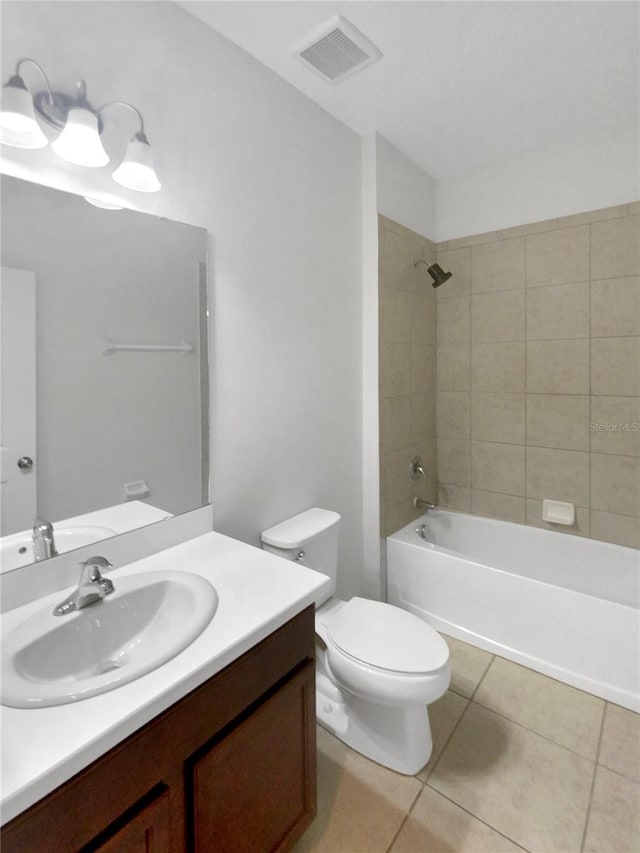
[[559, 512]]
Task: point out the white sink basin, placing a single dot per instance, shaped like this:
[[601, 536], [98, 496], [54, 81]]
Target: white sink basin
[[149, 619], [16, 550]]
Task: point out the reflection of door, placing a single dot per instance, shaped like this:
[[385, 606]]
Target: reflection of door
[[17, 400]]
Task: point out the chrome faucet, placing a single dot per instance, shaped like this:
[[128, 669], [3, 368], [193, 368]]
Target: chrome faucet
[[420, 504], [92, 587], [42, 537], [416, 470], [423, 532]]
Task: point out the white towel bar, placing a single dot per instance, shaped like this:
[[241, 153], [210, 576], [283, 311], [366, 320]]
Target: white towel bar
[[182, 347]]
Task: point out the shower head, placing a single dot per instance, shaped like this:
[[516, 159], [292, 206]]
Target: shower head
[[436, 272]]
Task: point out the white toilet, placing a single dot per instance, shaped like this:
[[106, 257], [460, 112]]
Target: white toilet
[[381, 667]]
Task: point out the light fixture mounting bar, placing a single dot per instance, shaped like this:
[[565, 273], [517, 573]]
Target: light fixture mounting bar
[[128, 106], [53, 107], [21, 62]]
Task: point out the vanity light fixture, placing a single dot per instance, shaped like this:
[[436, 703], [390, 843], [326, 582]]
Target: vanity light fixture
[[102, 203], [18, 125], [79, 141], [80, 125]]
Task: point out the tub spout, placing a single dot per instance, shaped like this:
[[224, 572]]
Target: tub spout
[[420, 504]]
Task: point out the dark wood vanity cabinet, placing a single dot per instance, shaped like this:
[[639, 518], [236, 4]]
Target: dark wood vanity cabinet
[[230, 768], [148, 831]]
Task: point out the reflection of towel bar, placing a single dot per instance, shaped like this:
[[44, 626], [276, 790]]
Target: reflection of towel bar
[[182, 347]]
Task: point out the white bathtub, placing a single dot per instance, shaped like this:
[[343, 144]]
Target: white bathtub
[[560, 604]]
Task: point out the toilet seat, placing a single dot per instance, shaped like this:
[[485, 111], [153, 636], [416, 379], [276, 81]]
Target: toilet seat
[[384, 637]]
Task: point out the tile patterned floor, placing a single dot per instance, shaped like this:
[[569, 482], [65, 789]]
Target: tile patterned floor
[[520, 762]]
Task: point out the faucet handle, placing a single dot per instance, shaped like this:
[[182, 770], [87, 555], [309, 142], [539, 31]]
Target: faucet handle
[[415, 469], [102, 562], [91, 569]]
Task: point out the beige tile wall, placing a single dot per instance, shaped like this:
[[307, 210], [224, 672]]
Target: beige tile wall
[[537, 339], [407, 372]]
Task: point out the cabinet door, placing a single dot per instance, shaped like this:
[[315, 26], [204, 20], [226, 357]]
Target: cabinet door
[[147, 832], [255, 790]]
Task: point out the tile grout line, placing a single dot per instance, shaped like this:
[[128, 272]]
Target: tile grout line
[[536, 733], [448, 740], [483, 676], [546, 225], [406, 817], [475, 817], [620, 774], [473, 699], [593, 781], [460, 718]]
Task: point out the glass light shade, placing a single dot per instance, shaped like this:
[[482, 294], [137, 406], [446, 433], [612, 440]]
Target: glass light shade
[[136, 171], [102, 203], [79, 142], [18, 125]]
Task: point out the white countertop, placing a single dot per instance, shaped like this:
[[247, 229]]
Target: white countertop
[[258, 593]]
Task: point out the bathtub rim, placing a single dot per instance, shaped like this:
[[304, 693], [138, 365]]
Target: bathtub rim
[[544, 531], [425, 545]]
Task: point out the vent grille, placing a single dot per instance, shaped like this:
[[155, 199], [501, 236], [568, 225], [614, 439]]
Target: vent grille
[[335, 55], [339, 51]]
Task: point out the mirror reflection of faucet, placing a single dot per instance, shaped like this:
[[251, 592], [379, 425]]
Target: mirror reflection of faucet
[[92, 587], [43, 542]]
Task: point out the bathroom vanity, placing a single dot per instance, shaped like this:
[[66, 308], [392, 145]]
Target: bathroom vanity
[[213, 750]]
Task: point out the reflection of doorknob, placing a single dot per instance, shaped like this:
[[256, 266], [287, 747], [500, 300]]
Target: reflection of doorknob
[[25, 463]]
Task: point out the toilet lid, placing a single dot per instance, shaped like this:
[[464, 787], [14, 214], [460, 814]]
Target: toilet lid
[[387, 637]]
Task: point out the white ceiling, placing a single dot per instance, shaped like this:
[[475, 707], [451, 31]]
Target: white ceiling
[[460, 84]]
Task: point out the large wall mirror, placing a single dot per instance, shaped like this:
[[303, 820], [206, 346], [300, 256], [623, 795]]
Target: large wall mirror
[[104, 383]]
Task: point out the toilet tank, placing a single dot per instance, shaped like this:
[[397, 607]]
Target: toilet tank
[[314, 532]]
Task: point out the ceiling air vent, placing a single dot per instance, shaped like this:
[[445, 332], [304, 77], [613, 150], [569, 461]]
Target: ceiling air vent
[[337, 51]]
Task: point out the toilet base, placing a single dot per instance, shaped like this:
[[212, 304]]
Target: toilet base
[[398, 738]]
